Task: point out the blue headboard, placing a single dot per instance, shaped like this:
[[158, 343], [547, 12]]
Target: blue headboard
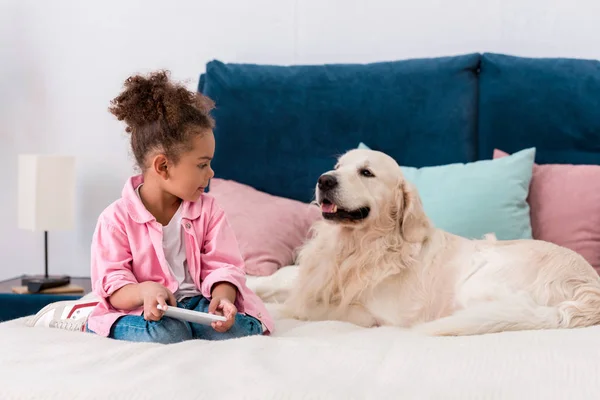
[[552, 104], [278, 128]]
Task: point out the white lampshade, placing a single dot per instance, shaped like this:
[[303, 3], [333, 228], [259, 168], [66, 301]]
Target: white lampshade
[[46, 192]]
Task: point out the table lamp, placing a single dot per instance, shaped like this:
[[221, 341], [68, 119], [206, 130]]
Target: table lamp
[[46, 203]]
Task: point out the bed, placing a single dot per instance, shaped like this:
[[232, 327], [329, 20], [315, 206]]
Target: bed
[[316, 360]]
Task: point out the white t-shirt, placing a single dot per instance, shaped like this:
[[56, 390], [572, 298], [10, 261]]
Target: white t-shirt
[[174, 248]]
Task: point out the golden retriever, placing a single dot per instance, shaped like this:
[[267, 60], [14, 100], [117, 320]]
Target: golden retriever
[[376, 259]]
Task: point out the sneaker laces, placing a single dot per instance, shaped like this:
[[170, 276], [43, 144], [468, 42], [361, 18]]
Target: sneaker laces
[[68, 325]]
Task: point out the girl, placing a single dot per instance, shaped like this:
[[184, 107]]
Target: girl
[[165, 241]]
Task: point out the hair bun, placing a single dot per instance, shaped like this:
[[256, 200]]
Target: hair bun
[[153, 99]]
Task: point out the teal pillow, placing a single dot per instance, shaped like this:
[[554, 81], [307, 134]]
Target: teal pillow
[[472, 199]]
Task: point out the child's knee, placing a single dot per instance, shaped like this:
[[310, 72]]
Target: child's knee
[[169, 330], [246, 325]]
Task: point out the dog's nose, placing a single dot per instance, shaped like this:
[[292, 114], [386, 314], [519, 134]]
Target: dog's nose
[[327, 182]]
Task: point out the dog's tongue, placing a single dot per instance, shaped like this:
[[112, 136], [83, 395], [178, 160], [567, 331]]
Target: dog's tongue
[[328, 208]]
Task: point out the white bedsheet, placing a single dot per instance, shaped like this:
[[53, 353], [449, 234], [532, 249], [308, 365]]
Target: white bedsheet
[[328, 360]]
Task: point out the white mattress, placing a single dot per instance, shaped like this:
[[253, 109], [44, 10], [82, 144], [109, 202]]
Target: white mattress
[[328, 360]]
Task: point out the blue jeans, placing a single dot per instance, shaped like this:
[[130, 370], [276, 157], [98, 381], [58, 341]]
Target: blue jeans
[[167, 330]]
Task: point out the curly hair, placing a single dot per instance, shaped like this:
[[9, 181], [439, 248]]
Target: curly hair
[[161, 115]]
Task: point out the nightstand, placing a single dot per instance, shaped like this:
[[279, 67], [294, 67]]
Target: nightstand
[[14, 305]]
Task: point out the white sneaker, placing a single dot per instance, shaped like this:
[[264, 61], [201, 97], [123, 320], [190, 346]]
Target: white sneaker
[[70, 315]]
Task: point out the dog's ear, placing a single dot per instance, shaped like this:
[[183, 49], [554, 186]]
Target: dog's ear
[[413, 222]]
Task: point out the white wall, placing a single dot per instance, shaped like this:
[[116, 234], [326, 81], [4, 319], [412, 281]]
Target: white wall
[[62, 61]]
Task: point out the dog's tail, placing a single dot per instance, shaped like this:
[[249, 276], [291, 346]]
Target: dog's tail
[[519, 312]]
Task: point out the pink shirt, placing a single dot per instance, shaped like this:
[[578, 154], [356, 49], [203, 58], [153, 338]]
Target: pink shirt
[[127, 248]]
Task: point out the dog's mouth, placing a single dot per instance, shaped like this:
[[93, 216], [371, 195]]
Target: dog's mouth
[[331, 211]]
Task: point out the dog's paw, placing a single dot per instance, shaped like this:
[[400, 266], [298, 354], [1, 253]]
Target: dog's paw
[[286, 311], [433, 328]]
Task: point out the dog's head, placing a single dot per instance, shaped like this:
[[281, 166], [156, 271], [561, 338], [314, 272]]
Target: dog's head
[[367, 188]]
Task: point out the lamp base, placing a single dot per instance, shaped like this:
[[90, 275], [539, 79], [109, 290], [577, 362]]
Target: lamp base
[[37, 283]]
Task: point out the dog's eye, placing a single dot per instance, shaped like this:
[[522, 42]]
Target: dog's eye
[[365, 172]]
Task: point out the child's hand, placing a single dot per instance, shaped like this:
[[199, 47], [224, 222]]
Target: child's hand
[[222, 306], [223, 297], [153, 294]]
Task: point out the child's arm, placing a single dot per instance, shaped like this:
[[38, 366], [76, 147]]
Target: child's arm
[[224, 290], [222, 271], [111, 260], [112, 277], [129, 297], [147, 294], [111, 267]]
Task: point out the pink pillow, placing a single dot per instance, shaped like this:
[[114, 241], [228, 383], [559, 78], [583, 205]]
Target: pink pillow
[[565, 206], [268, 228]]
